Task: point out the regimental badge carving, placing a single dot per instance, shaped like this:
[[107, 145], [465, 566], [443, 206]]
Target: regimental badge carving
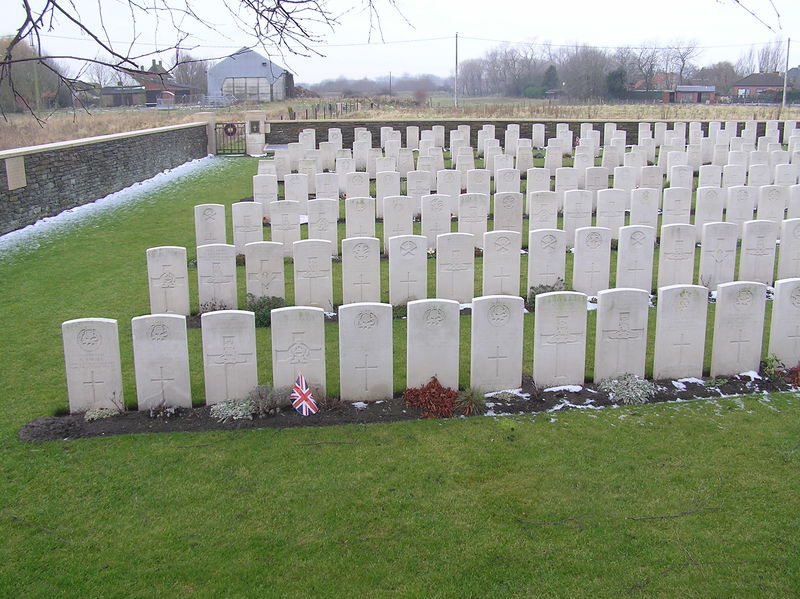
[[209, 214], [366, 320], [159, 332], [408, 248], [796, 232], [502, 245], [508, 202], [637, 238], [711, 195], [744, 298], [361, 251], [548, 243], [89, 339], [795, 297], [360, 204], [299, 353], [434, 317], [684, 300], [772, 194], [437, 204], [498, 315], [593, 240], [741, 195]]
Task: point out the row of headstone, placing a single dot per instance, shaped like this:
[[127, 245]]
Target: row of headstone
[[161, 362], [455, 264]]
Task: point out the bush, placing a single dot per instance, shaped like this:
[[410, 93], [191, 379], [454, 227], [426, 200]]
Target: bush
[[262, 307], [263, 401], [233, 409], [434, 400], [213, 306], [471, 401], [628, 389], [558, 285], [99, 414]]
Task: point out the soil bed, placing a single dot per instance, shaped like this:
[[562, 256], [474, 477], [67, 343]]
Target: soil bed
[[528, 400]]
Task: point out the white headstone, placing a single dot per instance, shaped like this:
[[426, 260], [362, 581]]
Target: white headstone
[[209, 224], [611, 210], [398, 217], [508, 211], [496, 349], [559, 339], [501, 262], [168, 280], [387, 183], [635, 257], [784, 332], [296, 190], [265, 190], [432, 342], [757, 260], [645, 203], [738, 328], [740, 205], [543, 210], [621, 335], [327, 185], [676, 255], [91, 358], [455, 267], [284, 224], [365, 352], [709, 207], [789, 257], [322, 222], [264, 269], [359, 216], [472, 215], [590, 270], [216, 277], [577, 212], [546, 257], [361, 271], [717, 254], [298, 346], [357, 185], [313, 278], [229, 355], [680, 332], [161, 361], [676, 206], [408, 269], [435, 217], [247, 224]]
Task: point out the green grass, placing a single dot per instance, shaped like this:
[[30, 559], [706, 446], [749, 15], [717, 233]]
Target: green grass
[[529, 506]]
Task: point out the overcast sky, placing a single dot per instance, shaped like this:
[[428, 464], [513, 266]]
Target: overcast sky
[[422, 40]]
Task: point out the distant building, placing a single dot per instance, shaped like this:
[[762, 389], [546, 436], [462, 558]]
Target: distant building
[[794, 77], [691, 94], [122, 95], [251, 78], [758, 86], [160, 86]]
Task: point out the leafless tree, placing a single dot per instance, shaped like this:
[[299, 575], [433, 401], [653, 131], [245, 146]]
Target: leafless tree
[[190, 71], [680, 55], [646, 60], [772, 57], [277, 26]]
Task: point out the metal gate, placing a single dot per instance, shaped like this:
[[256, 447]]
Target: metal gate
[[230, 138]]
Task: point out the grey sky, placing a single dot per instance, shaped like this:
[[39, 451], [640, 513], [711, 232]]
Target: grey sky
[[425, 44]]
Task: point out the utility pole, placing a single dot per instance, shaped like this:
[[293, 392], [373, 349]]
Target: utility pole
[[36, 91], [786, 73], [455, 82], [390, 83]]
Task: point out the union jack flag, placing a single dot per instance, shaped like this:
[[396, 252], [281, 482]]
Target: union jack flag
[[301, 397]]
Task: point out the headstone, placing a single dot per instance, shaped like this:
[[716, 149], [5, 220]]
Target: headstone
[[566, 180], [327, 185], [91, 358], [496, 348], [432, 342], [772, 202], [472, 215], [247, 224], [543, 210], [479, 181], [677, 206], [322, 222], [284, 223], [448, 183], [508, 211], [739, 206], [621, 335], [507, 180], [296, 190], [365, 352], [789, 257], [681, 176], [229, 355], [645, 203], [793, 208], [577, 213], [435, 218], [298, 347], [397, 217], [635, 257], [759, 175], [680, 332], [313, 278], [676, 255], [757, 260], [592, 260], [308, 167], [559, 339], [611, 210], [387, 184], [408, 269], [418, 184], [738, 328], [710, 176], [733, 174], [546, 257], [717, 254], [344, 166], [455, 267], [209, 224], [168, 280], [264, 269], [359, 216], [784, 332], [361, 273], [216, 277], [596, 180], [651, 177], [709, 207], [161, 361], [357, 185], [501, 261], [265, 190]]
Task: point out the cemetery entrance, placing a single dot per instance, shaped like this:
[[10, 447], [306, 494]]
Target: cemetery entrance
[[230, 138]]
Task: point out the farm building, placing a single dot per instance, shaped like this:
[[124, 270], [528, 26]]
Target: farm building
[[250, 78], [160, 85], [691, 94]]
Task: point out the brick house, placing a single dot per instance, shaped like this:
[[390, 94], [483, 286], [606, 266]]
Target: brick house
[[758, 85]]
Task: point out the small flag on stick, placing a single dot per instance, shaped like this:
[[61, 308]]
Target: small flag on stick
[[301, 397]]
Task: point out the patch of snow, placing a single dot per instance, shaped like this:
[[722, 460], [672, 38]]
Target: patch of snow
[[359, 405], [691, 379], [569, 388], [30, 237], [554, 420], [679, 385], [752, 374], [330, 314], [591, 305], [566, 404], [523, 252], [462, 306], [512, 391]]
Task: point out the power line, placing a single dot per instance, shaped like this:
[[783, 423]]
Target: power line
[[547, 44]]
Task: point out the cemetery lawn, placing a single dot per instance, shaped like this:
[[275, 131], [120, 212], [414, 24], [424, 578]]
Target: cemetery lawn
[[696, 499]]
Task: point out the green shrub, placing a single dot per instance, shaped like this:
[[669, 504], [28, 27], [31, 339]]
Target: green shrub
[[558, 285], [628, 389], [262, 307], [471, 401]]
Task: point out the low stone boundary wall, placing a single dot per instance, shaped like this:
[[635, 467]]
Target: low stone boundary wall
[[40, 181]]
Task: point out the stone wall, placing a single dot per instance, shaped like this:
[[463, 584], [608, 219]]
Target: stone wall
[[284, 132], [42, 181]]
